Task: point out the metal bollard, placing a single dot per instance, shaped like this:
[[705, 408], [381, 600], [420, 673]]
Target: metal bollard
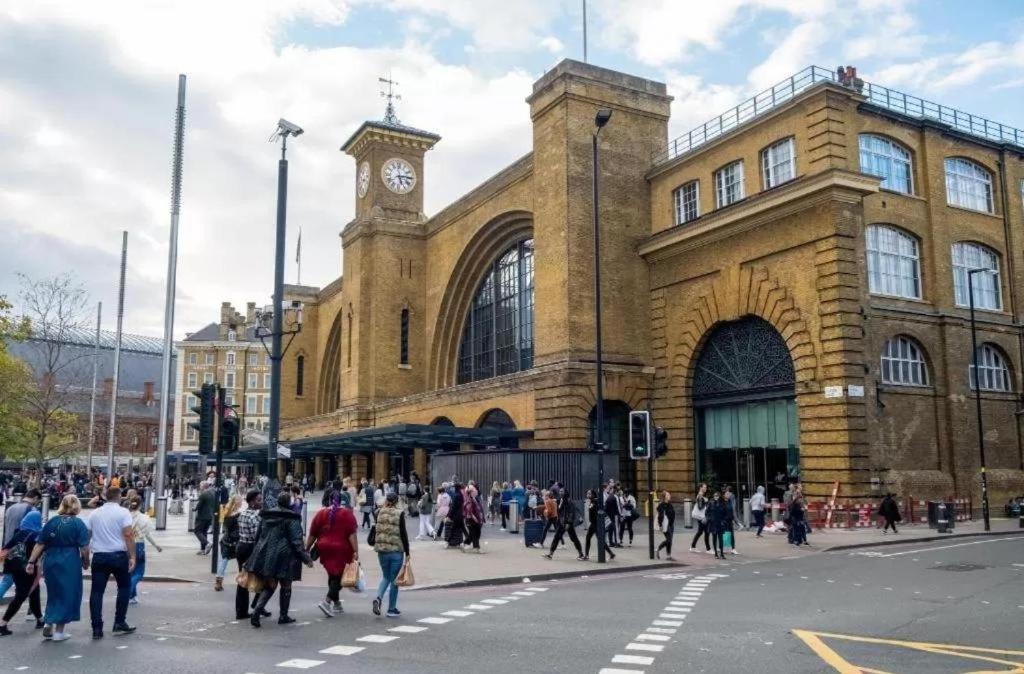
[[192, 503], [305, 516], [46, 507], [747, 514], [688, 513], [941, 520], [776, 510], [161, 513], [513, 517]]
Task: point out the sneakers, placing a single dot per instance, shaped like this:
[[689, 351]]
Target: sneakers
[[734, 551], [393, 613], [693, 548], [536, 545], [581, 558], [326, 608], [97, 635], [133, 601], [710, 552], [40, 624], [546, 556], [61, 636], [376, 606], [5, 631], [337, 607], [48, 632], [122, 629]]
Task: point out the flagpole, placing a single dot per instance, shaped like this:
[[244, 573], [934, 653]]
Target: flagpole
[[298, 259]]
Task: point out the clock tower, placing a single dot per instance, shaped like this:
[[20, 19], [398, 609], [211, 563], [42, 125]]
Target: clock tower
[[389, 166]]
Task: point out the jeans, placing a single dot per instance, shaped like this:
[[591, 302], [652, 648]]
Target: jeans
[[390, 565], [222, 564], [140, 568], [103, 565], [759, 520]]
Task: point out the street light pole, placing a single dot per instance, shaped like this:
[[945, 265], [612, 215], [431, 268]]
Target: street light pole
[[977, 396], [603, 115]]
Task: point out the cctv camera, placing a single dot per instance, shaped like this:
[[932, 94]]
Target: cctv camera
[[287, 127]]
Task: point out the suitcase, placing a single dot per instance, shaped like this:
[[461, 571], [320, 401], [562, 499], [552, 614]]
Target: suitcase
[[533, 532]]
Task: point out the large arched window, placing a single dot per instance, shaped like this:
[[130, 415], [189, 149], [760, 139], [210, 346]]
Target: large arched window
[[987, 286], [498, 335], [903, 363], [881, 157], [968, 185], [995, 374], [893, 262]]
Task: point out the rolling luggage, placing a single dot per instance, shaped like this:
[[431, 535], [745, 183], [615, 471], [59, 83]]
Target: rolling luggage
[[533, 532]]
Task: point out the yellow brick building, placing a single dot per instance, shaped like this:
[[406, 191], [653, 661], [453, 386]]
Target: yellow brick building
[[784, 287]]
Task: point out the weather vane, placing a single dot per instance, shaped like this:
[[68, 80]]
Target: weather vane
[[389, 112]]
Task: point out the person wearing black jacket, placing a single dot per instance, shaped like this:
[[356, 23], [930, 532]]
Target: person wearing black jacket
[[718, 516], [611, 512], [565, 522], [891, 512], [206, 510], [666, 522], [457, 528], [592, 529], [278, 549]]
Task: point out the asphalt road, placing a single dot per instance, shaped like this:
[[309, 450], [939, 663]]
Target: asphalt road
[[815, 613]]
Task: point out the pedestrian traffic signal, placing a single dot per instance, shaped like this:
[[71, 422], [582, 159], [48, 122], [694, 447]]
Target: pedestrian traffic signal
[[660, 442], [227, 441], [205, 410], [640, 434]]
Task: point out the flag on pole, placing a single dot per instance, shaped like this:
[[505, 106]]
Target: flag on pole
[[298, 248]]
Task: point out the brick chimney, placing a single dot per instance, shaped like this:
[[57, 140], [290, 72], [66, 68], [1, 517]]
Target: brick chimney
[[147, 393], [108, 386]]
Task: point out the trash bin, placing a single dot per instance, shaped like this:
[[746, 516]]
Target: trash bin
[[687, 513], [747, 514], [947, 512], [192, 503], [513, 517]]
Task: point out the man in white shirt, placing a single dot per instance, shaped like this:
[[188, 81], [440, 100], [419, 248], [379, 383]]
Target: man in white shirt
[[113, 552]]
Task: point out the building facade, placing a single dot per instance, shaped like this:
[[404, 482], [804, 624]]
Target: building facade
[[230, 354], [785, 288]]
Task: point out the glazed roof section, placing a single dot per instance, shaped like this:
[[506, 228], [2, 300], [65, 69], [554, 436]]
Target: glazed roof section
[[882, 97], [108, 338]]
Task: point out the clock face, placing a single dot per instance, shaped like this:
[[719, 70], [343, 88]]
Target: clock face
[[363, 180], [398, 175]]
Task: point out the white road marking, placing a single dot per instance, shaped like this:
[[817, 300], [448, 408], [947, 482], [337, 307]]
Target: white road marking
[[377, 638], [480, 607], [632, 660], [495, 602], [661, 630], [523, 593], [511, 598], [408, 629], [679, 602], [539, 589], [1020, 565], [121, 648], [434, 621], [457, 614], [161, 638], [672, 616], [653, 648], [652, 637], [343, 650], [24, 667], [74, 657], [954, 545], [671, 623], [613, 670], [299, 663]]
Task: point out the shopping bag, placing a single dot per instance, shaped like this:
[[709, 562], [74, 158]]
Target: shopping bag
[[405, 577], [350, 576], [727, 539], [361, 582]]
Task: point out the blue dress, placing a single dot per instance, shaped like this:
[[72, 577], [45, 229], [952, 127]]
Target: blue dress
[[62, 568]]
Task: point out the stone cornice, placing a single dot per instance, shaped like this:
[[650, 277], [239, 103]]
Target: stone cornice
[[760, 208], [371, 132]]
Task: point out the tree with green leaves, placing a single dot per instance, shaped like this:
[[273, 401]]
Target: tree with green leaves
[[15, 384]]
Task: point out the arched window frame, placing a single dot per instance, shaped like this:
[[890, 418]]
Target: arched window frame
[[497, 338], [903, 362], [887, 159], [894, 262], [994, 367], [778, 163], [988, 294], [968, 185]]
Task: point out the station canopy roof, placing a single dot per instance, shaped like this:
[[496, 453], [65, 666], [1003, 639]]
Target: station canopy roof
[[388, 439]]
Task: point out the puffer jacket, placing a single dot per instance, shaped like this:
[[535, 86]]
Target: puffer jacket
[[279, 549]]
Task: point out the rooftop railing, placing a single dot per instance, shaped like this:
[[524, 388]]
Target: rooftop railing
[[890, 99]]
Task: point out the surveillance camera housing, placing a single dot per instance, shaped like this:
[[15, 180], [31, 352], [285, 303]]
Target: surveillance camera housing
[[287, 127]]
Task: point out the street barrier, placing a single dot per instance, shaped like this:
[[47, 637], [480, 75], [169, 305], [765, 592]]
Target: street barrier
[[192, 503]]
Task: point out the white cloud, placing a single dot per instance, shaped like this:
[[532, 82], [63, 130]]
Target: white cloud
[[552, 44], [998, 61]]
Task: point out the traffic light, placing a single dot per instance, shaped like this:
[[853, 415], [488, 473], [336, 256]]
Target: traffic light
[[227, 441], [205, 410], [660, 442], [639, 434]]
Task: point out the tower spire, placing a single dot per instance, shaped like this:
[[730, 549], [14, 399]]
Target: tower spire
[[389, 111]]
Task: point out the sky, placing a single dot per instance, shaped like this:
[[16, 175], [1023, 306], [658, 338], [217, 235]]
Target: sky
[[88, 91]]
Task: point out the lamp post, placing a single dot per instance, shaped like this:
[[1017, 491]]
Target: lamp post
[[283, 131], [600, 120], [977, 393]]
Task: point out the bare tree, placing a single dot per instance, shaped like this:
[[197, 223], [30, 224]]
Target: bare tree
[[55, 309]]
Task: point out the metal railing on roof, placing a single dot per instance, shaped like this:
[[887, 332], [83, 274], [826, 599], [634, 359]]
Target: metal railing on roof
[[883, 97]]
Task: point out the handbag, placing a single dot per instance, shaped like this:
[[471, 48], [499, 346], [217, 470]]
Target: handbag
[[697, 513], [350, 576], [405, 577], [361, 581], [371, 538], [314, 551], [727, 540]]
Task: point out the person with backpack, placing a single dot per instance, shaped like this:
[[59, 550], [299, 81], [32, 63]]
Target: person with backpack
[[565, 520]]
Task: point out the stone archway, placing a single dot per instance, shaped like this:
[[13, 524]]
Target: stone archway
[[329, 387]]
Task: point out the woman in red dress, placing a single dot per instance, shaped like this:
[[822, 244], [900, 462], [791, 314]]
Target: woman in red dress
[[333, 531]]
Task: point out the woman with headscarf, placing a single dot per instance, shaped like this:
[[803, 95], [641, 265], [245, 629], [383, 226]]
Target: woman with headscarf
[[277, 551], [457, 529], [473, 515], [16, 563], [333, 532], [65, 542]]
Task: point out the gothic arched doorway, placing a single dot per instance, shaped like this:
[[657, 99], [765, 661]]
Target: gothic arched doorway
[[747, 432]]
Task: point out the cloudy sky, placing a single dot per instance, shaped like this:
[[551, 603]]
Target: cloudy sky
[[87, 94]]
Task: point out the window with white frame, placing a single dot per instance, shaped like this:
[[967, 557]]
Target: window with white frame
[[687, 200], [968, 185], [881, 157], [893, 262], [266, 381], [254, 360], [266, 404], [209, 359], [208, 378], [230, 359], [253, 380], [250, 404], [995, 374], [229, 379], [229, 398], [193, 358], [190, 402], [729, 184], [987, 286], [232, 335], [778, 163], [193, 378], [903, 363], [190, 433]]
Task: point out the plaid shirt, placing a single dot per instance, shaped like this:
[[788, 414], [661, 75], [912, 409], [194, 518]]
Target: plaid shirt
[[248, 525]]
